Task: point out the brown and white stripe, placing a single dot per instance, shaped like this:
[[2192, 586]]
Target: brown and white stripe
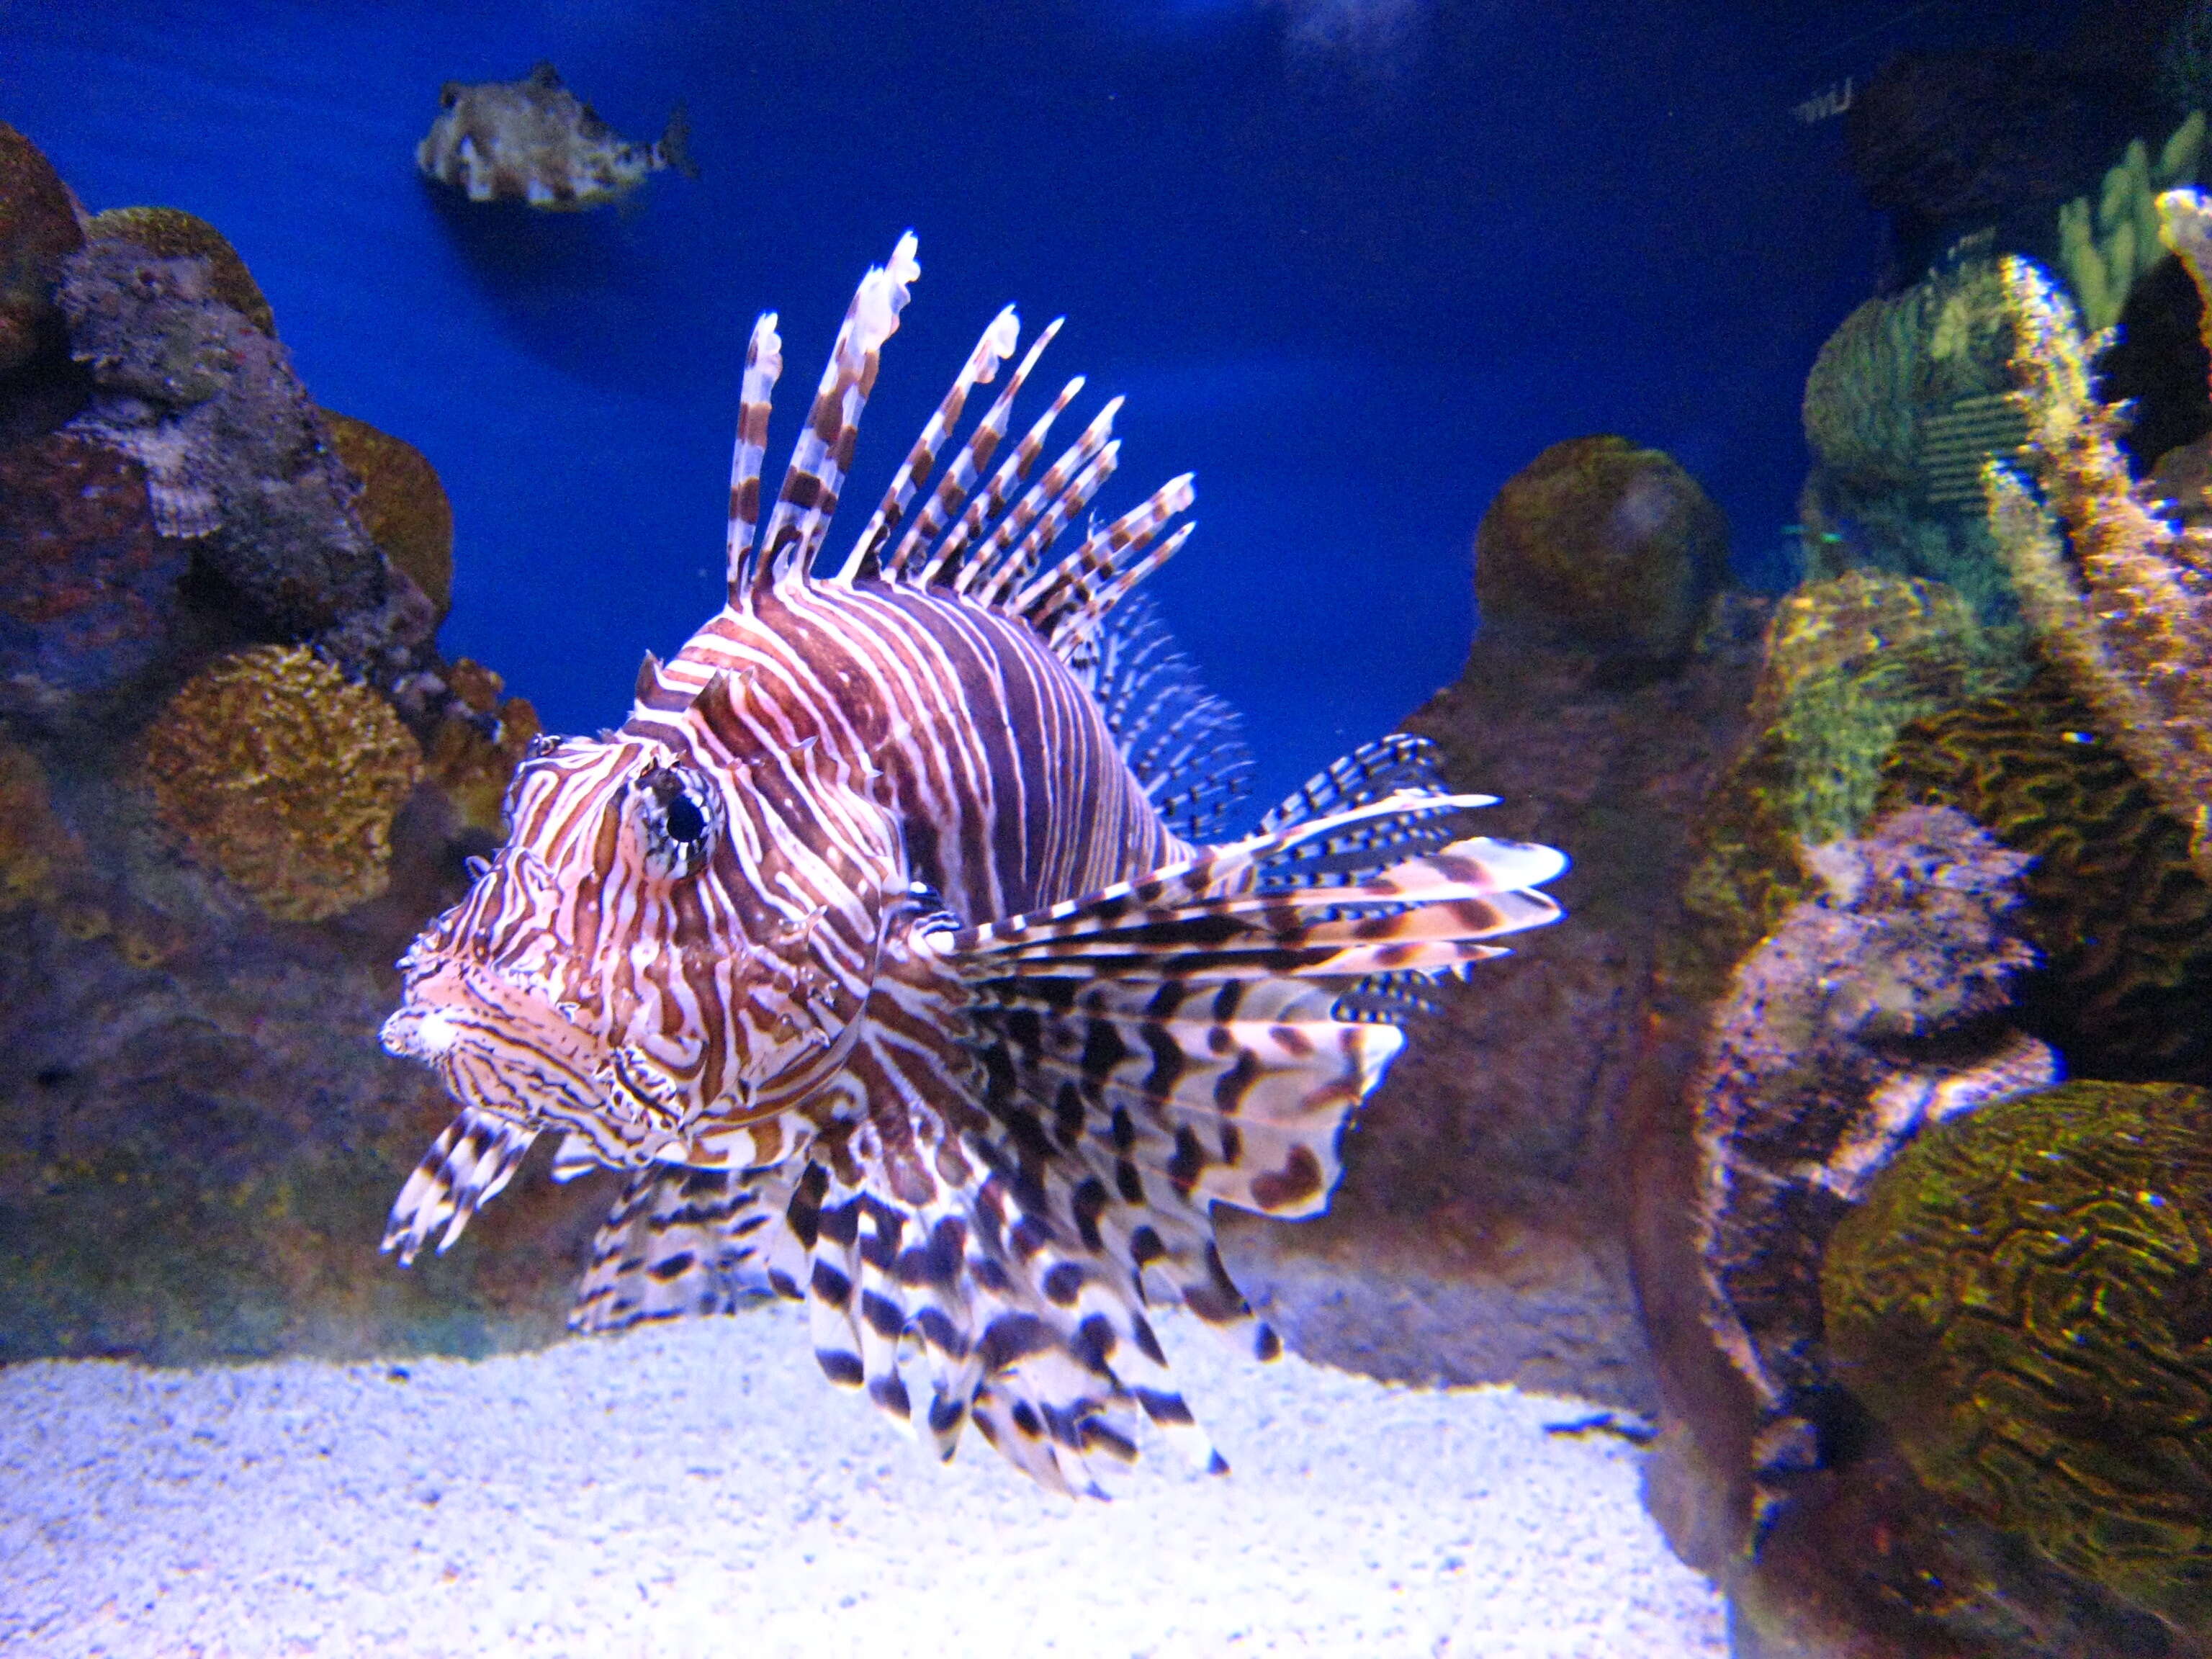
[[866, 950]]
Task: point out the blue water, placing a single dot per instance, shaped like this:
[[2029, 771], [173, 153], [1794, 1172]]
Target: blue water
[[1355, 261]]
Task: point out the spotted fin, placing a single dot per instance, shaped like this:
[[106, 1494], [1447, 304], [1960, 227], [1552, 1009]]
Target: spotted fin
[[681, 1242], [1042, 1112]]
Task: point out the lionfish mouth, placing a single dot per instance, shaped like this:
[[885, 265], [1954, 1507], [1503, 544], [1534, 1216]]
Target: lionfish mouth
[[498, 1046]]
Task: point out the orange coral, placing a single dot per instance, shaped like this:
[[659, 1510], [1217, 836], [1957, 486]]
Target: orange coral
[[172, 234], [471, 768], [275, 770], [402, 506]]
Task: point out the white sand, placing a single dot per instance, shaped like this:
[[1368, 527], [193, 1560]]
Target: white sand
[[699, 1490]]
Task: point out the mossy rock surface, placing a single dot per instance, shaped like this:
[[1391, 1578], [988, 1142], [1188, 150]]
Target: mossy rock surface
[[1604, 545], [1848, 662], [2025, 1299], [2123, 922], [172, 234], [402, 506]]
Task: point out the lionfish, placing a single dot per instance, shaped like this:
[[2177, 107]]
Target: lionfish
[[531, 141], [878, 948]]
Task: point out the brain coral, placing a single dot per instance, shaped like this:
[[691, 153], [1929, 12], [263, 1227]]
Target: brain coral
[[402, 504], [278, 771], [172, 234], [1605, 545], [2025, 1298], [38, 230], [2123, 922]]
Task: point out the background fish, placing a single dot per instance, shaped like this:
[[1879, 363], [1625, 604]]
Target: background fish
[[531, 141], [871, 949]]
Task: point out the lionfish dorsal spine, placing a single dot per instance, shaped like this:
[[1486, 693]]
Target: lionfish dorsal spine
[[1023, 535], [808, 499], [981, 368], [928, 542], [950, 552], [763, 364], [1066, 600]]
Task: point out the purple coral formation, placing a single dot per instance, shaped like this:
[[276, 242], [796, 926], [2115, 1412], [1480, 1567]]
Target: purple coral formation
[[1868, 1012]]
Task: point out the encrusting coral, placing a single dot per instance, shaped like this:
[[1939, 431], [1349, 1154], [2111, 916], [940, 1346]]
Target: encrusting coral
[[284, 777], [475, 748], [1904, 401], [2129, 615], [2024, 1300], [1846, 663], [172, 234]]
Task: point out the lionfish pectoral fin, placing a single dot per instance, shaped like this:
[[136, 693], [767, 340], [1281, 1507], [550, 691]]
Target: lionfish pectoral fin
[[465, 1167]]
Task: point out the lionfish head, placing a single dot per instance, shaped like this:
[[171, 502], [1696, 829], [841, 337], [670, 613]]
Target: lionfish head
[[653, 946]]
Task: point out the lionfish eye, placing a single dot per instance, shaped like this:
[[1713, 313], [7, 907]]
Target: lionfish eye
[[675, 809], [448, 96]]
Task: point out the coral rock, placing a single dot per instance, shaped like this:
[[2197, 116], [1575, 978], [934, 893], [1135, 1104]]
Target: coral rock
[[1604, 545], [172, 234], [1863, 1017], [2025, 1300], [1847, 662], [402, 505], [1478, 1233], [87, 587], [280, 774], [477, 747], [233, 450], [38, 231], [2123, 922]]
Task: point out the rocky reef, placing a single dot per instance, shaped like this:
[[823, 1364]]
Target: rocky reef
[[236, 774]]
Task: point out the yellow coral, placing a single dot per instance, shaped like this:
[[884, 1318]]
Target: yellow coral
[[2106, 249], [278, 772], [402, 506], [172, 234], [2128, 618]]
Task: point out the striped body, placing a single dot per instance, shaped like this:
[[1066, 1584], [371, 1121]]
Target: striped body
[[867, 948]]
